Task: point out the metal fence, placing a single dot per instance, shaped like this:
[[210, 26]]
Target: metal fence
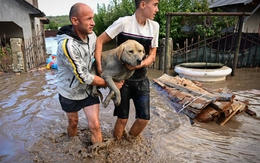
[[234, 49], [219, 50]]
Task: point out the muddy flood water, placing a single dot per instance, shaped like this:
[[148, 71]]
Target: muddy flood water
[[33, 127]]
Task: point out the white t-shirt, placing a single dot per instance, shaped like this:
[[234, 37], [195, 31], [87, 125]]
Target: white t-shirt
[[128, 28], [129, 24]]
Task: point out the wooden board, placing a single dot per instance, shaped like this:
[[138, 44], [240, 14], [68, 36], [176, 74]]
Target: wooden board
[[192, 100]]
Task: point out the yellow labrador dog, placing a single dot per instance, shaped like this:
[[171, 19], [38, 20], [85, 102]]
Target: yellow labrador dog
[[114, 67]]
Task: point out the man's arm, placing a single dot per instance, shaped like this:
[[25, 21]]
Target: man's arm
[[102, 39], [151, 57], [98, 81]]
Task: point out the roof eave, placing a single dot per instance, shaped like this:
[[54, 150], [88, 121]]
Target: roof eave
[[35, 11], [221, 5]]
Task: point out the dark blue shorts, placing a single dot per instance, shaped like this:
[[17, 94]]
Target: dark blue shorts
[[76, 105], [139, 91]]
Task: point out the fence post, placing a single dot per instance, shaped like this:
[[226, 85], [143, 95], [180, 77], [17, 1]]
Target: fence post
[[166, 63], [166, 53], [241, 21], [162, 55]]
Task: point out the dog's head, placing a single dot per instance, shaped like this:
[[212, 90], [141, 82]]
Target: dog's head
[[131, 52]]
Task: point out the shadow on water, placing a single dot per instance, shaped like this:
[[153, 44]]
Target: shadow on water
[[33, 127]]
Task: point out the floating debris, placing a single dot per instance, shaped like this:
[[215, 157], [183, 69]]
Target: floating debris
[[204, 105]]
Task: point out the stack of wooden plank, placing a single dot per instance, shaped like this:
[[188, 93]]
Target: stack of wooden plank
[[188, 97]]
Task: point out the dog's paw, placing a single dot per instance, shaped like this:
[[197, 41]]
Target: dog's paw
[[95, 94], [105, 103], [117, 101]]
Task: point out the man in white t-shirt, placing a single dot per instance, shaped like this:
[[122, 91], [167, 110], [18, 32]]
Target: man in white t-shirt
[[140, 27]]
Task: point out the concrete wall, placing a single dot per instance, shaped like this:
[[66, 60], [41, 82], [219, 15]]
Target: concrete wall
[[20, 24], [17, 53], [33, 2], [11, 11]]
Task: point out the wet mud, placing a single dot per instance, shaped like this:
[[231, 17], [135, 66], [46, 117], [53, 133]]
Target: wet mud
[[33, 126]]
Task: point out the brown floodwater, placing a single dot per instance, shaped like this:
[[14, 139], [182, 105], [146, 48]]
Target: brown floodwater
[[33, 126]]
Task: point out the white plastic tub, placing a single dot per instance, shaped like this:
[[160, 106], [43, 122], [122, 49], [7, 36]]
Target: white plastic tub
[[202, 74]]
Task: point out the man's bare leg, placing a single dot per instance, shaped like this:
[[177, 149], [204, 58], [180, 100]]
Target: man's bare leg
[[72, 128], [92, 114], [138, 127], [119, 128]]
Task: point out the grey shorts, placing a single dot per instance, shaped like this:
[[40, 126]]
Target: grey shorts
[[139, 91], [76, 105]]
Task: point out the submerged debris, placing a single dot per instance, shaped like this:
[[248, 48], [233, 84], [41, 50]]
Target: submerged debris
[[199, 103]]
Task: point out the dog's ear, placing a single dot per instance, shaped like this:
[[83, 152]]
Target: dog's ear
[[119, 51]]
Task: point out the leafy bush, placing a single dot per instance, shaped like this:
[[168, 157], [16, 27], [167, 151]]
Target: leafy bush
[[195, 25], [5, 54], [57, 21], [108, 14]]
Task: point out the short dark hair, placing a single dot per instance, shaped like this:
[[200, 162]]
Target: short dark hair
[[73, 11], [137, 3]]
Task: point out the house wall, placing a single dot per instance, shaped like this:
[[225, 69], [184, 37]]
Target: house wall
[[10, 29], [18, 20], [251, 24], [33, 2], [11, 11]]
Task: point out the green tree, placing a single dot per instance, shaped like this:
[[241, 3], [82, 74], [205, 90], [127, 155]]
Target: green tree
[[52, 25], [57, 21], [178, 22], [108, 14]]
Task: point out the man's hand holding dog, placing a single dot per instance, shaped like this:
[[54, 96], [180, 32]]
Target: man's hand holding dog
[[129, 67], [119, 84]]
